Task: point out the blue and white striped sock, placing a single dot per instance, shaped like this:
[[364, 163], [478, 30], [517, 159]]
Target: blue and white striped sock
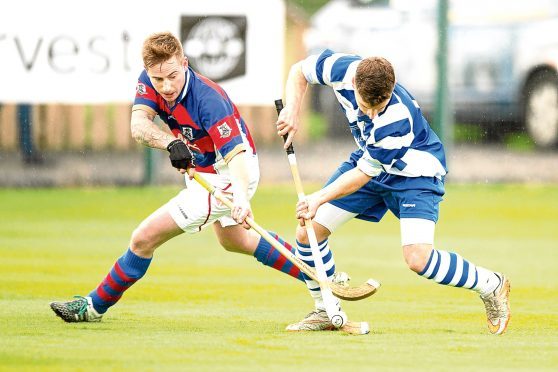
[[304, 252], [451, 269]]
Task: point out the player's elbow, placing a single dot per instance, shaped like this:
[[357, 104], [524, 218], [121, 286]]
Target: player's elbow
[[296, 73], [296, 68]]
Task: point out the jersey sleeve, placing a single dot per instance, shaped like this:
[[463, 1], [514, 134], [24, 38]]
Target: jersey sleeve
[[222, 122], [146, 96], [329, 67]]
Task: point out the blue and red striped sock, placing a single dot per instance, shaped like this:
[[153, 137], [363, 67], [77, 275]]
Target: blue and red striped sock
[[271, 257], [126, 271]]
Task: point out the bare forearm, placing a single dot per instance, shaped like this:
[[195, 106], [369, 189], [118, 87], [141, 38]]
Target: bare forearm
[[144, 131], [346, 184], [239, 174], [288, 121]]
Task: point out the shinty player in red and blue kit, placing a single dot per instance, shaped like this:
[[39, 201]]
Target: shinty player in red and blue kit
[[209, 136]]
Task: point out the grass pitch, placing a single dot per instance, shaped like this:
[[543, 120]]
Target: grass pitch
[[201, 308]]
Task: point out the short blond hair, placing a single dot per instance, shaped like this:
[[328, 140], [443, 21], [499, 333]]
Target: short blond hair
[[374, 80], [160, 47]]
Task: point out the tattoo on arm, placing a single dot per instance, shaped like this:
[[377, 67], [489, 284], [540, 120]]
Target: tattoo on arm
[[147, 133]]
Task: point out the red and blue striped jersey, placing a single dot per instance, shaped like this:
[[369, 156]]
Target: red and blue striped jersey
[[203, 115]]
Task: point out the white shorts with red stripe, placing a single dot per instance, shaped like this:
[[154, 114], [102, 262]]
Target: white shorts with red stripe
[[194, 208]]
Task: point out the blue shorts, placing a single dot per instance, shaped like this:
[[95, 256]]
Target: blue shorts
[[405, 197]]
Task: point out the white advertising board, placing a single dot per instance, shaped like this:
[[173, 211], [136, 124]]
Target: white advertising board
[[62, 51]]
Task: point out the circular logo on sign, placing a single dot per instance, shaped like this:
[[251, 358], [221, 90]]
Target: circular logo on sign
[[215, 47]]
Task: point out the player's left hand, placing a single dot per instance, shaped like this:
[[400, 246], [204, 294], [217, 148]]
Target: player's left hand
[[306, 209], [241, 210]]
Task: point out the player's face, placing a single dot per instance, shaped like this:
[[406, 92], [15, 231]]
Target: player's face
[[168, 78], [370, 110]]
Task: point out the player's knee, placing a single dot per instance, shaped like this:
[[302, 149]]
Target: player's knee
[[321, 232], [228, 244], [416, 256], [238, 243], [301, 235], [141, 243]]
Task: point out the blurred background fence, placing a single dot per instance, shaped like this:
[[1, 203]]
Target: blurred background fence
[[61, 127], [66, 127]]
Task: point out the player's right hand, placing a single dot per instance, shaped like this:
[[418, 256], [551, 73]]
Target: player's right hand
[[287, 124], [181, 157]]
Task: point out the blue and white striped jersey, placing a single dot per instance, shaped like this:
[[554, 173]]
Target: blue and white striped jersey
[[399, 140]]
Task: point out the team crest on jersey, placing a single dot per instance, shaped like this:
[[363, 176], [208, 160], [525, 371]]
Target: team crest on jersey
[[187, 133], [224, 130], [141, 89]]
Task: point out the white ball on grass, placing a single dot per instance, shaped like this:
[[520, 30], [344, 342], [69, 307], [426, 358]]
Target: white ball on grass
[[339, 320]]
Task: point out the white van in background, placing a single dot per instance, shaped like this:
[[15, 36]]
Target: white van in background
[[502, 61]]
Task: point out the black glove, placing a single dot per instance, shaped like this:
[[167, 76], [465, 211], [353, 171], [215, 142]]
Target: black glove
[[181, 156]]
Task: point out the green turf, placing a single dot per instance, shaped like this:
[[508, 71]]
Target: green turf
[[201, 308]]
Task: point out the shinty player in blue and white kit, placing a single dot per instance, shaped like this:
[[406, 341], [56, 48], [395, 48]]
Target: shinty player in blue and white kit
[[201, 117], [399, 165]]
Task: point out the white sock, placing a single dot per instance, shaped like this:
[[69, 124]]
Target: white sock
[[487, 282]]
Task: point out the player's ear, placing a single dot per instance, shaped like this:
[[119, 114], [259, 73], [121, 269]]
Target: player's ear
[[185, 63]]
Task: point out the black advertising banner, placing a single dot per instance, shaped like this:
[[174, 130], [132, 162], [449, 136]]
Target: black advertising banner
[[215, 45]]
